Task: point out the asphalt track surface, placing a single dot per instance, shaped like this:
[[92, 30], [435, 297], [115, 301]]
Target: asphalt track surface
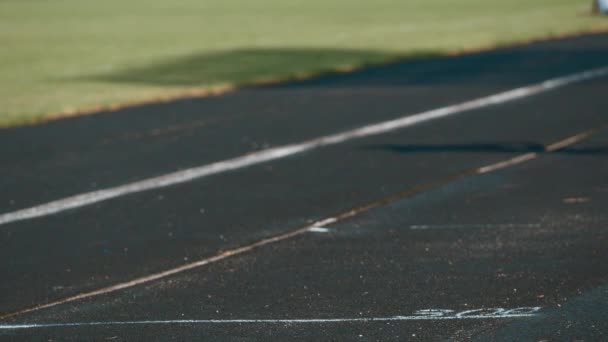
[[415, 224]]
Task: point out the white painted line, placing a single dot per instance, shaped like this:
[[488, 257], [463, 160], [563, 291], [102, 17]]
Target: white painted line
[[318, 230], [236, 251], [475, 226], [263, 156], [421, 315]]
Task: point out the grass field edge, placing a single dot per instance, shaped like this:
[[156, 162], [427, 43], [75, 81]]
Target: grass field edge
[[220, 89]]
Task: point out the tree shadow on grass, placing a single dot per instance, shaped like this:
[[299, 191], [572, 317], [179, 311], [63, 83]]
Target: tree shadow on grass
[[245, 66], [516, 65]]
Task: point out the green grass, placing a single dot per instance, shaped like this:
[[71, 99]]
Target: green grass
[[63, 55]]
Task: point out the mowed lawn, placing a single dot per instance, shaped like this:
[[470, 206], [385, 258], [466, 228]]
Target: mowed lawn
[[65, 55]]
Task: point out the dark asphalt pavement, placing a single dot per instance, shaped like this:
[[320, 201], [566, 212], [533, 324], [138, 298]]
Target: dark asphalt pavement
[[530, 235]]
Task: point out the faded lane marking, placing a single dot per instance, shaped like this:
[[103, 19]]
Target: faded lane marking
[[159, 132], [420, 315], [510, 162], [574, 200], [275, 153], [474, 226], [567, 142], [240, 250]]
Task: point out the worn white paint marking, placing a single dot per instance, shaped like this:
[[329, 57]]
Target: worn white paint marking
[[421, 315], [507, 163], [218, 257], [318, 230], [558, 145], [475, 226], [263, 156], [569, 141], [166, 273]]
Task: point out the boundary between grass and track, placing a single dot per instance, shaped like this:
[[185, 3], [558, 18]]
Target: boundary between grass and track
[[221, 89]]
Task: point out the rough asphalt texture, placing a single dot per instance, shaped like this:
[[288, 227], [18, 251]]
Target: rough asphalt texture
[[534, 234]]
